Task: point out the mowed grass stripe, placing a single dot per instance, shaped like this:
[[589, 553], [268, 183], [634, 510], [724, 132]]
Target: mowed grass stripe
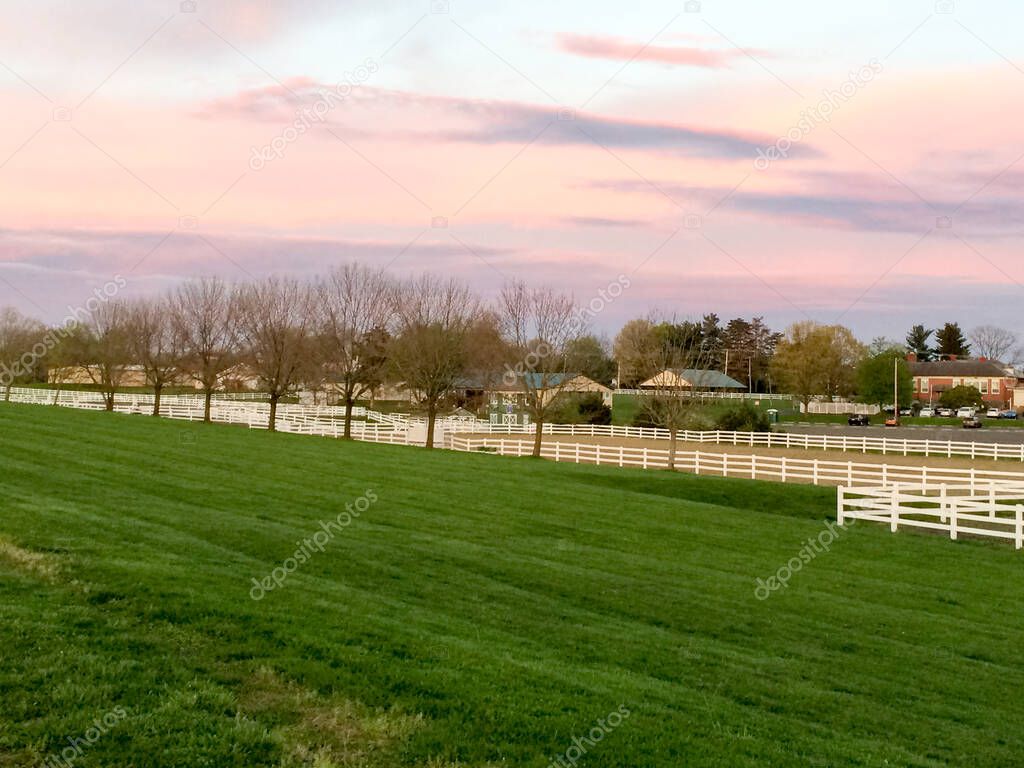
[[510, 602]]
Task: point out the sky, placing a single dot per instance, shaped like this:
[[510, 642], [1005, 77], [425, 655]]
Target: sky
[[859, 163]]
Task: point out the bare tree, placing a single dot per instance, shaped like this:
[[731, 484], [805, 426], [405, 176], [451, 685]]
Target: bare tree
[[157, 343], [540, 325], [633, 350], [430, 350], [101, 347], [668, 399], [993, 342], [354, 306], [18, 336], [202, 315], [274, 319]]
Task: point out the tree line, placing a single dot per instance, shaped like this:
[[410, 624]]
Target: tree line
[[355, 328], [347, 331], [815, 359]]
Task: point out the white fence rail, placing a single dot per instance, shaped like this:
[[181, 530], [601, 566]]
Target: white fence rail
[[993, 510], [327, 421], [840, 408], [750, 466], [310, 413], [845, 443]]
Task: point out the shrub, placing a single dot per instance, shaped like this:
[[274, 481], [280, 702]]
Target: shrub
[[744, 418], [961, 396], [582, 409]]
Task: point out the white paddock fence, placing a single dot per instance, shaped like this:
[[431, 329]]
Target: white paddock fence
[[993, 510], [308, 419], [845, 443], [750, 466]]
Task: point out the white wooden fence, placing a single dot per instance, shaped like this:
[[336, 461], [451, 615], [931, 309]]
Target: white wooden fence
[[845, 443], [993, 510], [309, 416], [840, 408], [327, 421], [751, 466]]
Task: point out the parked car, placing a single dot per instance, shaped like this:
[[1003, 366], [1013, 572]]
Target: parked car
[[906, 411], [972, 423], [858, 420], [993, 413], [946, 412], [966, 413], [927, 413], [1010, 414]]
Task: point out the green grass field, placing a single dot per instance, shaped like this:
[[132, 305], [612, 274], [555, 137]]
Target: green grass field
[[483, 611]]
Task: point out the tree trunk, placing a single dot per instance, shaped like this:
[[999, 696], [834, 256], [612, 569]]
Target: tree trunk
[[272, 421], [431, 418], [348, 417], [7, 392], [672, 433], [157, 389], [56, 394], [108, 400], [206, 406], [537, 437]]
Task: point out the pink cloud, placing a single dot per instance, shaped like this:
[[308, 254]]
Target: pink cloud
[[620, 49], [477, 121]]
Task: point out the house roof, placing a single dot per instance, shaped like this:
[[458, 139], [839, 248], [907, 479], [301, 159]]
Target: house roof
[[959, 368], [697, 378], [533, 381]]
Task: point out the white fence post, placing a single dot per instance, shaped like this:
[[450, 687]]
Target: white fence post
[[1019, 538], [840, 504], [894, 519], [943, 506]]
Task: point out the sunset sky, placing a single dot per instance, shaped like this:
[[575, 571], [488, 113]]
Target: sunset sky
[[563, 143]]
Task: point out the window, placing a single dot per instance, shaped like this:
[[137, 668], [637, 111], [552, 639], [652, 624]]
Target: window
[[924, 385], [983, 386]]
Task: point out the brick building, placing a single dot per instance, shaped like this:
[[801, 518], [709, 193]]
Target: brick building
[[996, 381]]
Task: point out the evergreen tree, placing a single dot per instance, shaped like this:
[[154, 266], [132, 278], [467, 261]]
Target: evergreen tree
[[951, 341], [917, 342]]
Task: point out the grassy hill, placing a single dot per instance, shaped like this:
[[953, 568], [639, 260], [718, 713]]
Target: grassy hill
[[481, 611]]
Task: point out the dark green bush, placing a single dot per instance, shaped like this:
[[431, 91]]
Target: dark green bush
[[744, 418]]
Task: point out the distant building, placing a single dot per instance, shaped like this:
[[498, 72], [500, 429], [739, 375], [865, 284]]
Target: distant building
[[996, 381], [695, 379], [133, 376]]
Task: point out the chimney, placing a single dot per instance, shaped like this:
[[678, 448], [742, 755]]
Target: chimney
[[911, 357], [982, 359]]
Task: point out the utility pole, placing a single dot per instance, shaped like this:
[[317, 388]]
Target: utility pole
[[896, 389]]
